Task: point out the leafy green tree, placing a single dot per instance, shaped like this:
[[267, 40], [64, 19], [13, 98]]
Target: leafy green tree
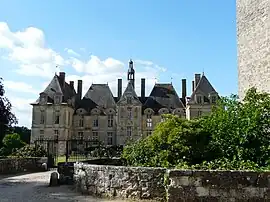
[[24, 133], [240, 130], [173, 142], [11, 142], [236, 135], [7, 118]]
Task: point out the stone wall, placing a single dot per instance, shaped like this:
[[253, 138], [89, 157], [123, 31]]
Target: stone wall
[[218, 186], [253, 33], [16, 165], [120, 182], [172, 185]]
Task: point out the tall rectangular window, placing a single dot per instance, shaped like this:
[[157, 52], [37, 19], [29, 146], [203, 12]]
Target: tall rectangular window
[[148, 121], [129, 101], [214, 99], [57, 118], [110, 120], [56, 134], [95, 122], [129, 131], [95, 137], [110, 138], [80, 135], [42, 117], [81, 123], [129, 112], [199, 99]]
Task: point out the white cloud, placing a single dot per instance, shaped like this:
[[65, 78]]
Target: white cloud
[[22, 109], [27, 49], [72, 52], [20, 87]]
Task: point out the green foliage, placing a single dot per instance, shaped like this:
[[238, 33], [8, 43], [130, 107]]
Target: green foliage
[[234, 136], [30, 151], [7, 118], [11, 142], [24, 133]]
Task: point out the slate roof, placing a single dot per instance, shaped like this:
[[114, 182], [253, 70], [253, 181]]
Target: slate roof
[[203, 87], [129, 92], [54, 87], [101, 95], [163, 95]]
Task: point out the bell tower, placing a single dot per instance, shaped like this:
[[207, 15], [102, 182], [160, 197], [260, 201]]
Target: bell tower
[[131, 73]]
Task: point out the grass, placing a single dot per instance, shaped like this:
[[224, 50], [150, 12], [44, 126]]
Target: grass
[[71, 158]]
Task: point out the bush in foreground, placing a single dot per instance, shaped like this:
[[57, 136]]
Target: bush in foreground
[[235, 136]]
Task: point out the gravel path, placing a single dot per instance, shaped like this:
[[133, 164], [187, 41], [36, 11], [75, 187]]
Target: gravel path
[[34, 188]]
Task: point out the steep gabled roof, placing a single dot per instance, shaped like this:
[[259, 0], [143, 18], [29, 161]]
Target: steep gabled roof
[[101, 95], [54, 87], [129, 91], [203, 87], [163, 95]]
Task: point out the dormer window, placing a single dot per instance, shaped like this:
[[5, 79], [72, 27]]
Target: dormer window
[[129, 100], [43, 99], [214, 99], [57, 99], [199, 99]]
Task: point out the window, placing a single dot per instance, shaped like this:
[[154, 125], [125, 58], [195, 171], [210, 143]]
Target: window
[[41, 132], [56, 119], [81, 122], [129, 131], [56, 134], [110, 120], [95, 123], [148, 121], [149, 132], [129, 113], [42, 118], [199, 99], [80, 135], [110, 138], [214, 99], [95, 137], [57, 99], [129, 101]]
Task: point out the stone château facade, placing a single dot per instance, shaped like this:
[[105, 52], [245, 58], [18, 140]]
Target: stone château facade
[[253, 40], [61, 112]]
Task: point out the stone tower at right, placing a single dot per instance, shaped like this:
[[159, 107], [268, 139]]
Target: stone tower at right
[[253, 41]]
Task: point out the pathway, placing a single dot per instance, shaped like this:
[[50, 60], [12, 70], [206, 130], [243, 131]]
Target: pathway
[[34, 188]]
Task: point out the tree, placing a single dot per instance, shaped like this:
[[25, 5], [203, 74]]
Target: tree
[[236, 135], [173, 142], [7, 118], [240, 130], [24, 133], [11, 143]]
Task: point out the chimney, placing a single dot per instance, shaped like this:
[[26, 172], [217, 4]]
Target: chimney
[[197, 79], [62, 78], [193, 86], [184, 89], [143, 87], [79, 89], [119, 91], [71, 83]]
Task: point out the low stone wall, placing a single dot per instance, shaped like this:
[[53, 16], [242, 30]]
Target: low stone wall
[[172, 185], [120, 182], [218, 186], [15, 165]]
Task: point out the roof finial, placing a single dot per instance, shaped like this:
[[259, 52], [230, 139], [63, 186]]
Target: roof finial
[[171, 80], [203, 72], [56, 67]]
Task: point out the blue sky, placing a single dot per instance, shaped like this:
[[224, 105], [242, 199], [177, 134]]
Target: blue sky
[[165, 39]]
